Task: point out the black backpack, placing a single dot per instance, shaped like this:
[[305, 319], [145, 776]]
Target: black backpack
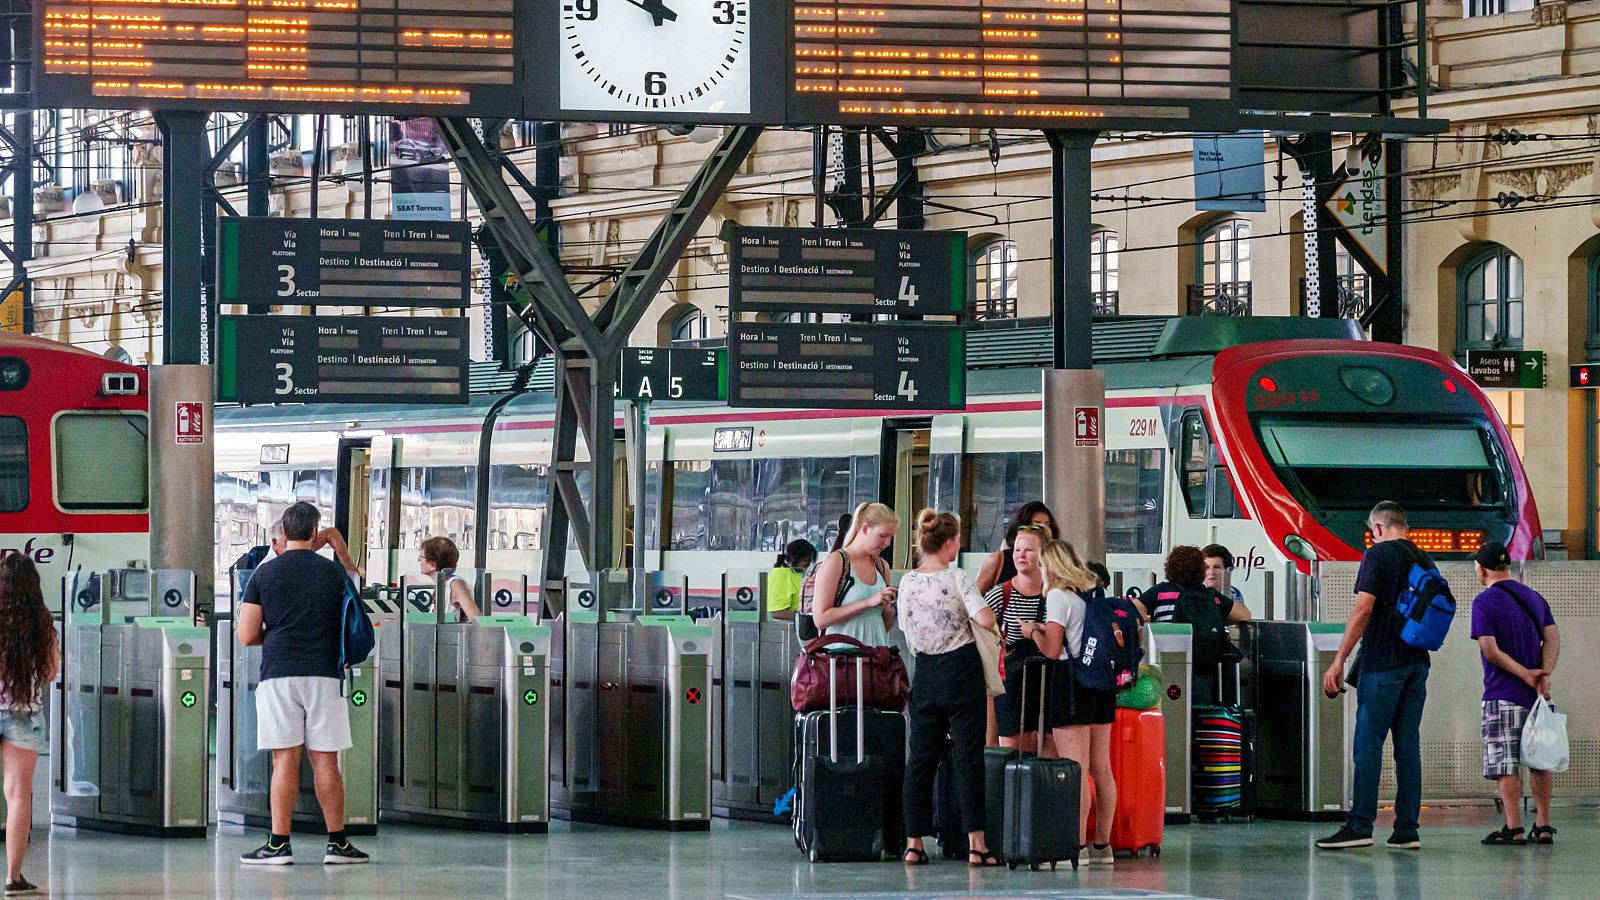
[[1201, 609]]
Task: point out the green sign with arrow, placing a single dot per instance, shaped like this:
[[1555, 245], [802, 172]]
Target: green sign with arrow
[[188, 699]]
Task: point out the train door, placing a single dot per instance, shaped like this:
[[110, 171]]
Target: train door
[[1203, 481], [907, 445], [352, 486], [381, 539]]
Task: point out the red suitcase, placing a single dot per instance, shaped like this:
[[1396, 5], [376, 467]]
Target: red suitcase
[[1139, 764]]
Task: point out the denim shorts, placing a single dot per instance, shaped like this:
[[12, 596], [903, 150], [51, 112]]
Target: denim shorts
[[25, 729]]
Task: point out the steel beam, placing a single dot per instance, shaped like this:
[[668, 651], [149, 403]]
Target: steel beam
[[1071, 220], [186, 313]]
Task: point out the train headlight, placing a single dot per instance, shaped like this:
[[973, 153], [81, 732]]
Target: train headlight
[[1300, 547], [13, 373], [1369, 385]]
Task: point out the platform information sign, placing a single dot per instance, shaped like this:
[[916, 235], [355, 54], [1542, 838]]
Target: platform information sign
[[342, 359], [860, 270], [1014, 63], [673, 373], [879, 366], [402, 57], [344, 262]]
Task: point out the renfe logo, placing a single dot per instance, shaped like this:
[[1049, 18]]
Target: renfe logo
[[40, 555]]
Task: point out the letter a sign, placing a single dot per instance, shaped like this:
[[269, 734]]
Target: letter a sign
[[1086, 426]]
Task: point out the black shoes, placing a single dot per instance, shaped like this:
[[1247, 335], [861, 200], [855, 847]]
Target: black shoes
[[20, 888], [343, 855], [268, 855], [1398, 841], [1345, 839]]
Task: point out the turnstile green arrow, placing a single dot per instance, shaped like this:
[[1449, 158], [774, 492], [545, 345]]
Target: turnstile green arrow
[[530, 696], [359, 698], [188, 699]]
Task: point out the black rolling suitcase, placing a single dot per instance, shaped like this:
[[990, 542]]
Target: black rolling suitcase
[[947, 823], [1041, 798], [839, 814]]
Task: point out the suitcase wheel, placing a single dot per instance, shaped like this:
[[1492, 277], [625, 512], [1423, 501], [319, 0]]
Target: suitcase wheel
[[1011, 864], [1033, 867], [814, 854], [1052, 865], [1074, 865]]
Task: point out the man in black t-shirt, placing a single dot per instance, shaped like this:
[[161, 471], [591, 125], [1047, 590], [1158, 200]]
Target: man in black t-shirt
[[1391, 679], [293, 607]]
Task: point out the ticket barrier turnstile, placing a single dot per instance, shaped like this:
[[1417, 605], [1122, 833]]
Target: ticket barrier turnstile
[[464, 736], [128, 732], [753, 731], [244, 771], [1304, 764], [1172, 648], [637, 704]]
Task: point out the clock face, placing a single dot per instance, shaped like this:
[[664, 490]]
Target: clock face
[[670, 56]]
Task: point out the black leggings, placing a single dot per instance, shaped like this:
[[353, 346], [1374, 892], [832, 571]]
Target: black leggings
[[947, 698]]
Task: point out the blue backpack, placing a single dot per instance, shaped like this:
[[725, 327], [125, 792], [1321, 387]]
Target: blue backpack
[[356, 634], [1110, 654], [1425, 608]]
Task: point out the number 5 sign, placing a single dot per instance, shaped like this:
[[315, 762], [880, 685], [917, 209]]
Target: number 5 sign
[[1086, 426]]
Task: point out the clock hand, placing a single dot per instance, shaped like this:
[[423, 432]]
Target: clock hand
[[658, 10]]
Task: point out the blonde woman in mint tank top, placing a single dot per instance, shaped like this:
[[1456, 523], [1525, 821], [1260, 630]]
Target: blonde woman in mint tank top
[[865, 611]]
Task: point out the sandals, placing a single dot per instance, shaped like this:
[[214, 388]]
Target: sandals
[[914, 857], [985, 859], [1505, 837], [1542, 834]]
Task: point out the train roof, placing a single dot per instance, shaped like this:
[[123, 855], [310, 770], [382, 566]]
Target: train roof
[[12, 342], [1002, 358]]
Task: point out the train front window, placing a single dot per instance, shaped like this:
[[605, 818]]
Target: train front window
[[13, 464], [1352, 465], [101, 462]]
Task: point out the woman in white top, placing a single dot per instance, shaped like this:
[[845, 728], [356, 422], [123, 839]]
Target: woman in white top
[[439, 554], [938, 605], [1080, 718], [29, 661], [865, 611]]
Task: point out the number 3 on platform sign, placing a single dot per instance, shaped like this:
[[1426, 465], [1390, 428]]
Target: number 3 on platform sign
[[285, 379]]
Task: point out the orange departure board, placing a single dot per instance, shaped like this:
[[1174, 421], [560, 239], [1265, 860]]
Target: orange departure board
[[395, 56], [1021, 63]]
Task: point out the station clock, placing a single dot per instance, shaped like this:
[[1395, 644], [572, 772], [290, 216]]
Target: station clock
[[677, 58]]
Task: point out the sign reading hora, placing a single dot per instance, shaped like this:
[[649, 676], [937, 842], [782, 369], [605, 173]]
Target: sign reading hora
[[343, 262], [309, 359], [860, 270], [879, 366]]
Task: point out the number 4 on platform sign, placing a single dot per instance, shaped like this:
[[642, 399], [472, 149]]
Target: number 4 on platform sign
[[908, 388], [908, 291]]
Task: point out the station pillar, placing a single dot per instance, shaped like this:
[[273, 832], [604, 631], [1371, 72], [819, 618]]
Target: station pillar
[[182, 464]]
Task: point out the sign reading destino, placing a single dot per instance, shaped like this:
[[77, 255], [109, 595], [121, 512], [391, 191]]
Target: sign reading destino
[[344, 359], [381, 55]]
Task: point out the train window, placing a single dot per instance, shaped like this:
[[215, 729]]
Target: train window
[[101, 462], [1349, 464], [13, 464], [756, 504], [1134, 480], [1001, 482], [1194, 458]]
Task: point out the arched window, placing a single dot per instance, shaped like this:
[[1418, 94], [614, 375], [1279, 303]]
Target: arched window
[[1594, 304], [1222, 270], [1489, 300], [995, 280], [1104, 246], [690, 325]]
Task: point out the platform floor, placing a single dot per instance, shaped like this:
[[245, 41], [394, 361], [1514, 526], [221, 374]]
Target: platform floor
[[1264, 859]]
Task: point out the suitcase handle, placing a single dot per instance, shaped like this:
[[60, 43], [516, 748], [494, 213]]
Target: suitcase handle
[[833, 706], [1043, 664]]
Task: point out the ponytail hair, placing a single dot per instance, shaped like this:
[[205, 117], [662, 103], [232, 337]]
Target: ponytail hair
[[869, 515], [935, 529], [1064, 569]]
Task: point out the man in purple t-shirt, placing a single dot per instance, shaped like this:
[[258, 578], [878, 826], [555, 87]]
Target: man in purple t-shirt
[[1520, 644]]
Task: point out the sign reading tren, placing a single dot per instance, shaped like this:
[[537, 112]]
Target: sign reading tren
[[1018, 63], [880, 366], [400, 56], [344, 262], [309, 359]]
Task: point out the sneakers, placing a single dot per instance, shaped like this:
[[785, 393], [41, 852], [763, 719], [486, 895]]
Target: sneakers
[[1398, 841], [1101, 855], [268, 855], [343, 855], [20, 888], [1345, 839]]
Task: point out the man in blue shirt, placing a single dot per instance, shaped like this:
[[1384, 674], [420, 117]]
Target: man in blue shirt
[[1520, 643], [1391, 679]]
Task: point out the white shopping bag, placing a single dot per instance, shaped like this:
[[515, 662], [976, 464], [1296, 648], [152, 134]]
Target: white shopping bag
[[1544, 738]]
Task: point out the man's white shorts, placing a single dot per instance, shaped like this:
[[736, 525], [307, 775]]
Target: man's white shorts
[[302, 710]]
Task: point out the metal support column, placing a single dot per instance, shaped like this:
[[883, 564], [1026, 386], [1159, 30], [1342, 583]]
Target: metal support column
[[258, 182], [587, 349], [21, 249], [186, 316], [1313, 153], [1071, 220], [1387, 315]]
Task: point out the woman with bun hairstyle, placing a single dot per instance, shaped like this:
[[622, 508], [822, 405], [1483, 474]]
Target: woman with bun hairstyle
[[1080, 718], [938, 605], [864, 608]]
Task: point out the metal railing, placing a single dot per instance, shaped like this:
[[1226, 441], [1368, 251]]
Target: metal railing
[[1225, 299], [1105, 303], [1354, 298]]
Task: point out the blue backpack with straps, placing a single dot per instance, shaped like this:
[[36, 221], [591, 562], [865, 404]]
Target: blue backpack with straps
[[356, 634], [1425, 607], [1109, 656]]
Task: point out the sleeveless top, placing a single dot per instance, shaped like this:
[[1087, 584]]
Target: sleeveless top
[[867, 627], [450, 579]]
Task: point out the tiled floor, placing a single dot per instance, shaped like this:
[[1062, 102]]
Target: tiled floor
[[1264, 859]]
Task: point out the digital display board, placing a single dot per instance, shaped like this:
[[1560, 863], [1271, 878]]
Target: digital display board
[[1018, 63], [321, 359], [889, 366], [389, 56], [344, 262], [876, 271]]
